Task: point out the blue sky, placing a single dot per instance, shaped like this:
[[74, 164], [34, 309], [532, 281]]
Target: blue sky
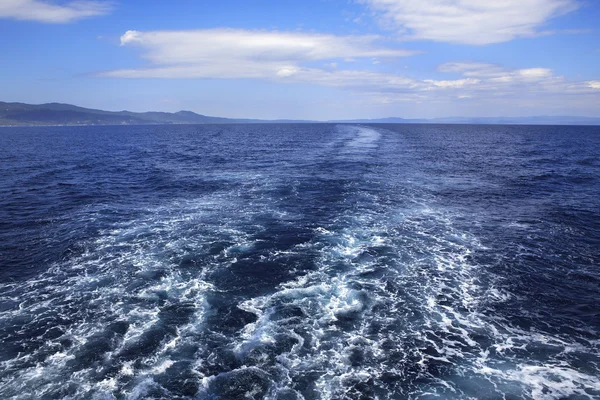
[[311, 59]]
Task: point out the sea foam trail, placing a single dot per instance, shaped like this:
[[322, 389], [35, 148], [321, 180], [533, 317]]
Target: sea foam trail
[[130, 307], [310, 263], [395, 311], [100, 321], [364, 137], [358, 317], [394, 308]]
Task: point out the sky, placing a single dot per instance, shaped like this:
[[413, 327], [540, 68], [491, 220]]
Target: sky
[[310, 59]]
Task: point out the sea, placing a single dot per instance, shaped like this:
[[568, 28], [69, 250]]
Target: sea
[[300, 261]]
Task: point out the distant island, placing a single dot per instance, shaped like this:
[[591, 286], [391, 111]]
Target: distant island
[[21, 114]]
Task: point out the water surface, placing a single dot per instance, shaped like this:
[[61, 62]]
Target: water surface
[[300, 262]]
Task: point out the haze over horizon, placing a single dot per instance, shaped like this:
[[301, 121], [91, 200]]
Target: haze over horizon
[[320, 60]]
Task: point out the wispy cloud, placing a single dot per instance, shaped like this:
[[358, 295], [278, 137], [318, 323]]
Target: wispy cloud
[[472, 22], [318, 59], [493, 87], [236, 53], [498, 74], [459, 83], [497, 81], [46, 11], [285, 57]]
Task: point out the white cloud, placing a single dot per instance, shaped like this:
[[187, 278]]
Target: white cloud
[[498, 74], [236, 53], [195, 46], [539, 85], [453, 84], [266, 55], [307, 58], [287, 71], [474, 22], [499, 90], [535, 73], [358, 80], [46, 11], [131, 37]]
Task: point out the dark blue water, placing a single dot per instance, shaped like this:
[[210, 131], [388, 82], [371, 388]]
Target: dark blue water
[[300, 262]]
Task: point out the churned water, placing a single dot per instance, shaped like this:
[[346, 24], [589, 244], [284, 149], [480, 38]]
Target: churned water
[[300, 262]]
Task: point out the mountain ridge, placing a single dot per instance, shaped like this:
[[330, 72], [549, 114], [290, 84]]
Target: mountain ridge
[[23, 114]]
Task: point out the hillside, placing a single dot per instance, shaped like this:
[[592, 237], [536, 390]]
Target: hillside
[[15, 114], [20, 114]]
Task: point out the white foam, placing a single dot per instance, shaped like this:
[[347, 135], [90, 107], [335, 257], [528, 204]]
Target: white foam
[[426, 301], [125, 274], [441, 285], [365, 138]]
